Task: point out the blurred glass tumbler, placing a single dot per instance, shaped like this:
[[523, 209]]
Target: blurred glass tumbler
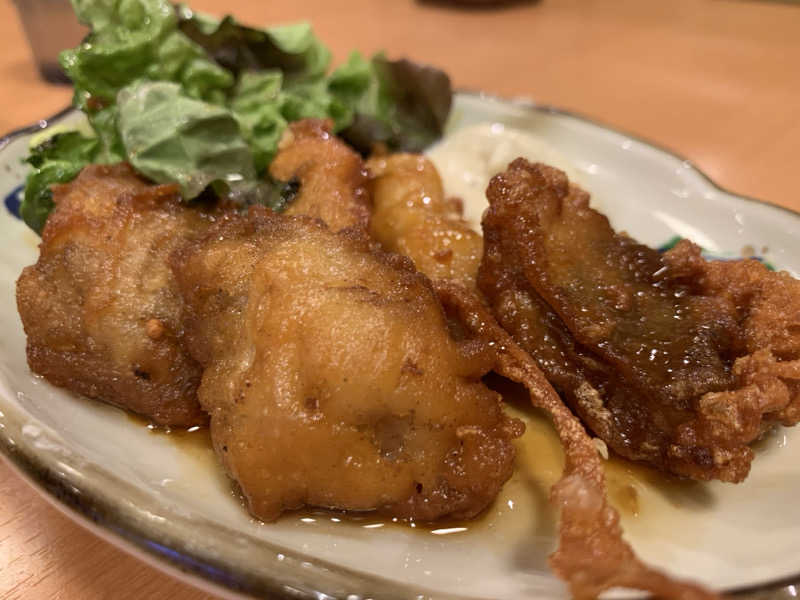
[[50, 26]]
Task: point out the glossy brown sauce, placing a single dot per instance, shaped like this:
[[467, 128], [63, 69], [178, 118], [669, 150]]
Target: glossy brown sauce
[[523, 502], [194, 445]]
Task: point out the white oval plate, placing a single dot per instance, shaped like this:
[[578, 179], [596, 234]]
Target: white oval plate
[[169, 502]]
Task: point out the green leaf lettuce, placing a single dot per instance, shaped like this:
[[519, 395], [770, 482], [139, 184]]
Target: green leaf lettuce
[[56, 160], [399, 103], [203, 102], [137, 39], [170, 137]]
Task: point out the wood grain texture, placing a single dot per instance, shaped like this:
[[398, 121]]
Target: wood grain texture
[[714, 80]]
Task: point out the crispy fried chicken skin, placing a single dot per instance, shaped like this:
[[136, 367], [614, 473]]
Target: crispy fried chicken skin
[[331, 378], [592, 556], [670, 359], [411, 216], [333, 182], [100, 307]]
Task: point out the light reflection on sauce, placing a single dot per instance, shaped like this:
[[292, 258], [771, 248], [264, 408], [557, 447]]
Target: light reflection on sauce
[[521, 506], [629, 484], [194, 441]]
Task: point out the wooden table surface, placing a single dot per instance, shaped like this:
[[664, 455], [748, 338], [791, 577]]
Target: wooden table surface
[[717, 81]]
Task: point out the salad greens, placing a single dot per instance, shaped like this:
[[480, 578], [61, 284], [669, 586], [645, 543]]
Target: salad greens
[[400, 103], [56, 160], [163, 131], [203, 102]]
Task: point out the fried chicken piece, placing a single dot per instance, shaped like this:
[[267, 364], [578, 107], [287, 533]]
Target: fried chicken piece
[[100, 307], [332, 176], [331, 378], [668, 359], [592, 556], [411, 216], [766, 369]]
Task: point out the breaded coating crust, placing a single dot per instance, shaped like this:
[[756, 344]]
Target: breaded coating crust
[[333, 182], [592, 556], [411, 216], [100, 307], [668, 358], [331, 378]]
